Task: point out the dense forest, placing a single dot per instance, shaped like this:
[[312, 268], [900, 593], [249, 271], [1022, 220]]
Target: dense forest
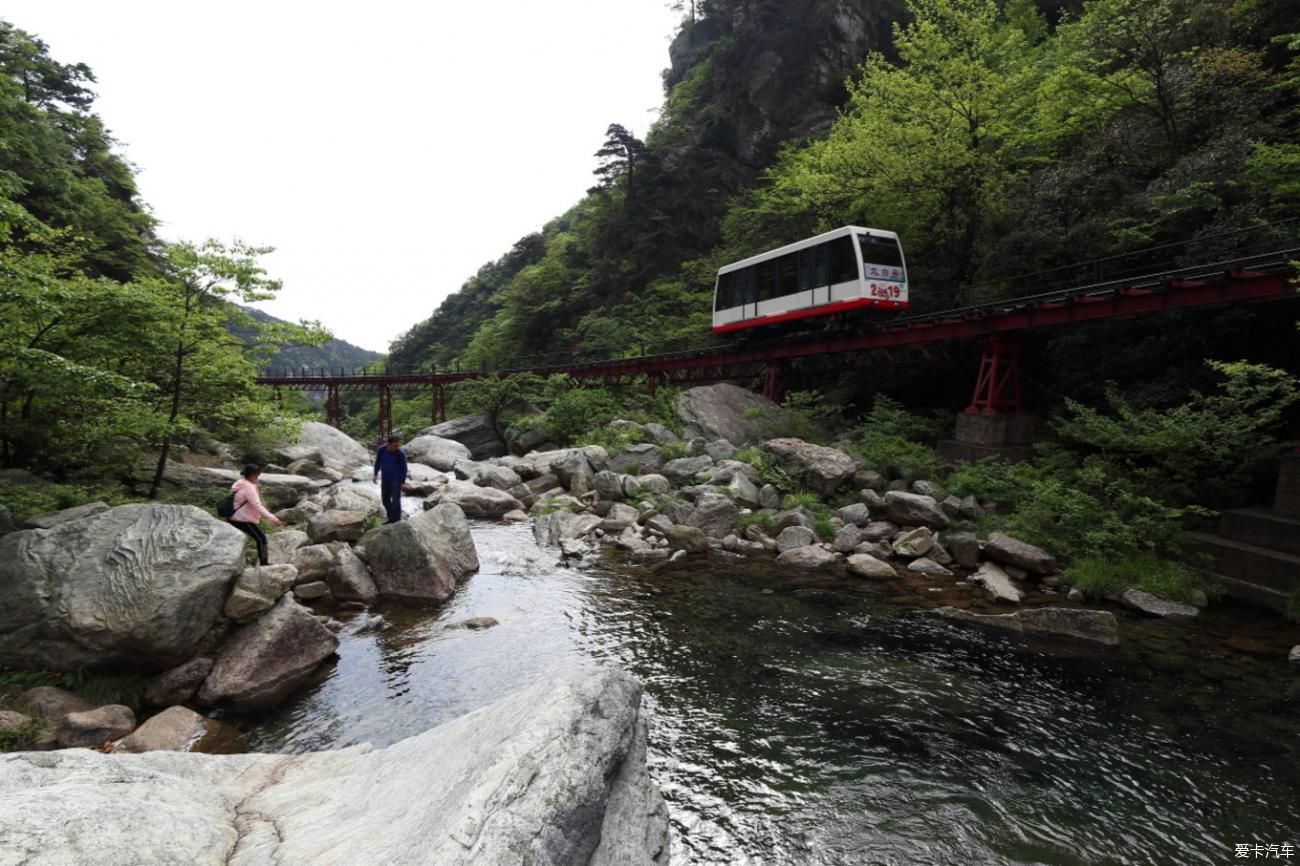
[[115, 346], [997, 138]]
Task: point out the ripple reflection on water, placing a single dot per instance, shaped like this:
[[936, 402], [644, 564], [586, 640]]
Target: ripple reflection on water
[[802, 721]]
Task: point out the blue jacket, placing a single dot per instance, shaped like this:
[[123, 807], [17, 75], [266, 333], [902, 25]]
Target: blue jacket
[[392, 464]]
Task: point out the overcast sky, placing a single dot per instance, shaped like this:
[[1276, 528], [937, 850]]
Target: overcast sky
[[385, 149]]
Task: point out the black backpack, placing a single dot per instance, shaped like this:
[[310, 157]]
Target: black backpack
[[226, 507]]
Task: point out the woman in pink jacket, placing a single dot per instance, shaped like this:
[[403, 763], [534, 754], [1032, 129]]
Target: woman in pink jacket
[[249, 510]]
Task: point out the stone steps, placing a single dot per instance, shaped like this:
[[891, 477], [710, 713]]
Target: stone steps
[[1253, 573], [1260, 527]]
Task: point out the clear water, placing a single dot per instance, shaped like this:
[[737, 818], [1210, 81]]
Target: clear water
[[821, 720]]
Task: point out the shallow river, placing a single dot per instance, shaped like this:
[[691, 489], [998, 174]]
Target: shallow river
[[798, 720]]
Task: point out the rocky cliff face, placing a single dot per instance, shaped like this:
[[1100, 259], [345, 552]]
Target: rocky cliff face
[[777, 70]]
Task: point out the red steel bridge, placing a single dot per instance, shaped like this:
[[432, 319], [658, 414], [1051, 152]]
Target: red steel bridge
[[1248, 266]]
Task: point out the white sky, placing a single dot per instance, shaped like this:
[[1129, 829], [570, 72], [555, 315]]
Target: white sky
[[385, 149]]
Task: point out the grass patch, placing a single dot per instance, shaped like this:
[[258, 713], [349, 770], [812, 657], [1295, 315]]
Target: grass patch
[[1144, 571], [674, 451], [1293, 606], [824, 528], [762, 519], [20, 738], [802, 499]]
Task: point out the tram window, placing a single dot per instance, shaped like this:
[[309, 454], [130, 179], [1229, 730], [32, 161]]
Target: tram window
[[768, 283], [746, 285], [788, 265], [807, 269], [726, 290], [844, 262], [822, 265], [881, 251]]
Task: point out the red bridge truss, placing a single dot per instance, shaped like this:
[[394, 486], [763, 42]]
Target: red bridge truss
[[1242, 279]]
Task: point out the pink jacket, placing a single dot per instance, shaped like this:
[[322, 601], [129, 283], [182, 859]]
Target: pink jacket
[[248, 503]]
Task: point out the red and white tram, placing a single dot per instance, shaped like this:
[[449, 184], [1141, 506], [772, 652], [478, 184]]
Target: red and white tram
[[846, 269]]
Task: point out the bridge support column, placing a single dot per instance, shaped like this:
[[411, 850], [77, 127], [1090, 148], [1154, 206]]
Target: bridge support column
[[385, 412], [774, 382], [439, 412], [994, 424], [333, 410], [651, 384]]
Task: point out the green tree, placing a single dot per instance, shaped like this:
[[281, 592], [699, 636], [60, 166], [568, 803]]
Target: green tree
[[209, 372], [929, 145]]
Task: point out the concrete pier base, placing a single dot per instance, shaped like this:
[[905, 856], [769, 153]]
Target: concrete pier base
[[978, 436]]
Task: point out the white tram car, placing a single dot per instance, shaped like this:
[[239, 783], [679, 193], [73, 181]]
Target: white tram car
[[845, 269]]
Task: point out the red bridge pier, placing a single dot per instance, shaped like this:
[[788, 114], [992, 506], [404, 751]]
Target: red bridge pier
[[994, 424]]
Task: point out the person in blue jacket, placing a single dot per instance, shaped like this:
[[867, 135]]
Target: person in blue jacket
[[390, 462]]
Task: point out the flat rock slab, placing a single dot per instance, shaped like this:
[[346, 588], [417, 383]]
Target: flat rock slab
[[1145, 602], [997, 584], [1097, 627], [868, 566], [809, 558], [551, 776]]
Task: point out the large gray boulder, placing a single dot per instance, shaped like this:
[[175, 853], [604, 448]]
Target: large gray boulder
[[475, 432], [914, 509], [551, 776], [136, 586], [263, 663], [474, 500], [684, 469], [437, 452], [714, 515], [352, 497], [93, 728], [336, 526], [809, 558], [1020, 554], [258, 589], [177, 729], [820, 469], [558, 526], [178, 685], [638, 459], [1097, 627], [487, 475], [727, 412], [337, 566], [422, 559], [336, 449], [282, 545]]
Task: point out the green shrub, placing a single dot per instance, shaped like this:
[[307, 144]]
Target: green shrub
[[1200, 451], [28, 500], [1097, 575], [897, 442], [1293, 606], [766, 471]]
